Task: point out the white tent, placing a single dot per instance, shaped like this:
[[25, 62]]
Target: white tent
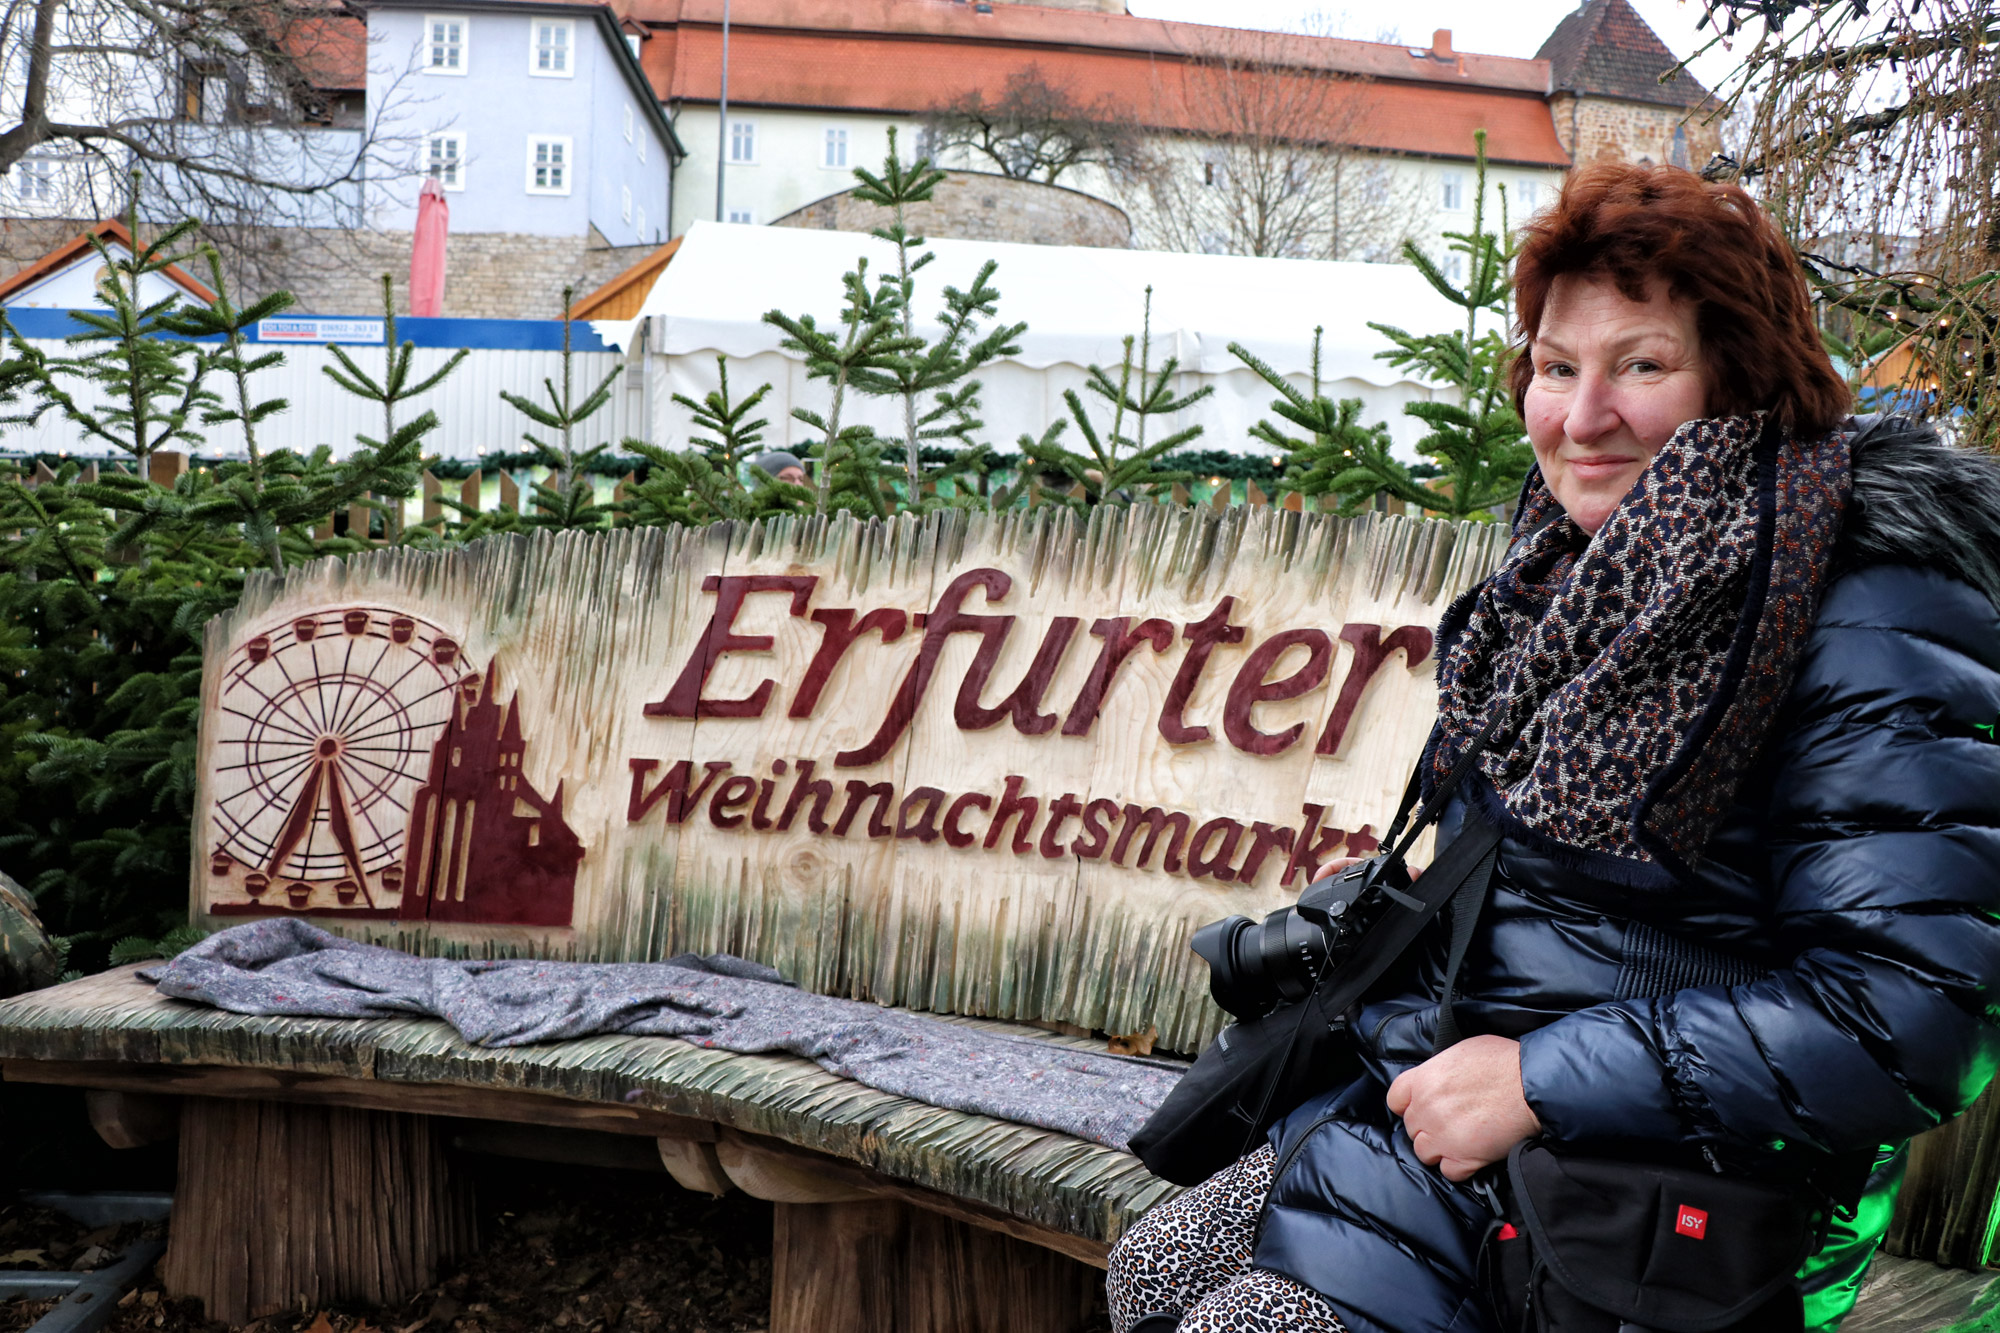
[[1079, 304]]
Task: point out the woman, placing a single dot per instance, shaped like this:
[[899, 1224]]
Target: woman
[[1747, 653]]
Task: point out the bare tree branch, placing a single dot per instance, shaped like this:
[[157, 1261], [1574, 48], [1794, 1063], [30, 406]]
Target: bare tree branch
[[1276, 168], [247, 114], [1874, 135], [1035, 130]]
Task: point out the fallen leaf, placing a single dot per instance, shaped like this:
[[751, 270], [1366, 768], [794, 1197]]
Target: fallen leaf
[[22, 1257], [1134, 1043], [320, 1324]]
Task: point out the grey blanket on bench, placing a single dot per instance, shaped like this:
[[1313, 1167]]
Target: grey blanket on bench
[[286, 968]]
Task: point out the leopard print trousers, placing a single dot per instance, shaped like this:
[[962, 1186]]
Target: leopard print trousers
[[1190, 1257]]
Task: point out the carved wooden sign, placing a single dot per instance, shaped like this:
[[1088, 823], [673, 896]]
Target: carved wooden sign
[[999, 766]]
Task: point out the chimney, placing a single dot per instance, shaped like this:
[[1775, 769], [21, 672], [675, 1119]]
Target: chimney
[[1441, 45]]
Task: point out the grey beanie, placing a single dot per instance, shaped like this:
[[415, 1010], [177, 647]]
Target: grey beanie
[[776, 461]]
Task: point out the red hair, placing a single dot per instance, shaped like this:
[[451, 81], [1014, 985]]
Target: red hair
[[1713, 248]]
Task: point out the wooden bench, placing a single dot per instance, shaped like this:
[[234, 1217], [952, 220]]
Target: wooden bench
[[997, 768], [312, 1160]]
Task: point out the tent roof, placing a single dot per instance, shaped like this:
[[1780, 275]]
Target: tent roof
[[1079, 302]]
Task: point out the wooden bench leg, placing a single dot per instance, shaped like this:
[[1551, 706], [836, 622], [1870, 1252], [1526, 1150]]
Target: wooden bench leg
[[278, 1204], [881, 1266]]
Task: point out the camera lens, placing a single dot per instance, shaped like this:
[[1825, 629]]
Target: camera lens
[[1255, 967]]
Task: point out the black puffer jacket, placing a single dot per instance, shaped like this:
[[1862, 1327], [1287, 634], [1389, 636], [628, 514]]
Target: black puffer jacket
[[1853, 895]]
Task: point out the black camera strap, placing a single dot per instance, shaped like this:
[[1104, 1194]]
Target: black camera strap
[[1461, 868], [1435, 806], [1460, 874]]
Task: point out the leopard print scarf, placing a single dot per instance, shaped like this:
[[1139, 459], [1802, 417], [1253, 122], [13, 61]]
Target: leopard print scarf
[[1640, 671]]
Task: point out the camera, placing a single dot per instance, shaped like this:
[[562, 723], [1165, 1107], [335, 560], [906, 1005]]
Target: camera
[[1255, 967]]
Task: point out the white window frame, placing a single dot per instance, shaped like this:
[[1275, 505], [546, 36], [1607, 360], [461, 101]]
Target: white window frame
[[639, 225], [1451, 191], [836, 137], [644, 135], [456, 160], [744, 216], [566, 28], [566, 166], [748, 137], [34, 180], [628, 122], [463, 45], [624, 203], [1528, 195]]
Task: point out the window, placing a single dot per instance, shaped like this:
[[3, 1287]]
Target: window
[[444, 160], [836, 148], [632, 44], [551, 54], [444, 44], [624, 203], [1454, 266], [548, 165], [1677, 155], [741, 215], [1528, 194], [642, 147], [742, 141], [628, 122], [1452, 195], [207, 97], [640, 225], [1212, 173], [35, 180]]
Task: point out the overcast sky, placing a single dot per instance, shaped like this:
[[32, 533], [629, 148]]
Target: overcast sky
[[1496, 27]]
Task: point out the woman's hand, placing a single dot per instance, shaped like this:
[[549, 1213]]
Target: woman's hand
[[1463, 1107]]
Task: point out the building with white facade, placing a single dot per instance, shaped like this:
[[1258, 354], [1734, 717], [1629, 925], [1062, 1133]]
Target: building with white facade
[[572, 136], [815, 86], [536, 119]]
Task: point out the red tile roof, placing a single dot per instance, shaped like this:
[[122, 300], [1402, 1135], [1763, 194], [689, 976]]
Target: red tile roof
[[329, 47], [909, 56], [1023, 24]]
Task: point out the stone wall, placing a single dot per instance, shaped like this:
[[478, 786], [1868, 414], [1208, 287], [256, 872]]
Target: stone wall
[[487, 276], [1603, 129], [976, 206]]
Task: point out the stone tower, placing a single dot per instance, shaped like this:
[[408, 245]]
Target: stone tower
[[1606, 96]]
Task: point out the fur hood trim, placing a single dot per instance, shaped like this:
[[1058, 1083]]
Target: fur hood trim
[[1919, 501]]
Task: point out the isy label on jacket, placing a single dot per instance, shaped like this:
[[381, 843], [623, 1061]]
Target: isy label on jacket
[[1691, 1222]]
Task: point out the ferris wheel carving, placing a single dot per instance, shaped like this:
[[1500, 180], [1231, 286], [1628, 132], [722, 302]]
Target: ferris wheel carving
[[340, 781]]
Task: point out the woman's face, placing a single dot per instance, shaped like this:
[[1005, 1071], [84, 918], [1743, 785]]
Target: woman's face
[[1614, 379]]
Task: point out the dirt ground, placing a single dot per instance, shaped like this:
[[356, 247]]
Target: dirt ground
[[564, 1247]]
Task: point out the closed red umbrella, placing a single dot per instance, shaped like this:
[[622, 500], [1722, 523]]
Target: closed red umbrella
[[427, 253]]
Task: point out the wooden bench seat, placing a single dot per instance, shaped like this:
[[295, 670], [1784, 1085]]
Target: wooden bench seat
[[779, 1126]]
